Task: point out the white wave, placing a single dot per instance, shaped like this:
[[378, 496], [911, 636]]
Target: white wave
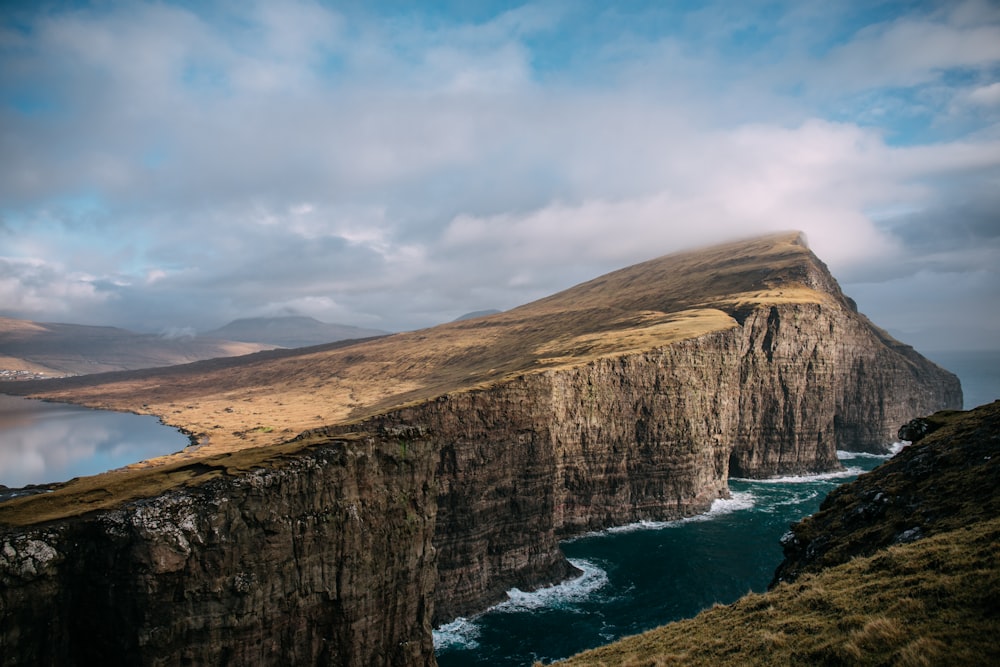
[[847, 456], [567, 592], [899, 446], [805, 479], [738, 500], [463, 632], [460, 633], [795, 499]]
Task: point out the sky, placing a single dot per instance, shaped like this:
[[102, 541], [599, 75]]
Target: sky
[[171, 166]]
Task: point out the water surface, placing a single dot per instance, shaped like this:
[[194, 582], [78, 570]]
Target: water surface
[[53, 442], [644, 575]]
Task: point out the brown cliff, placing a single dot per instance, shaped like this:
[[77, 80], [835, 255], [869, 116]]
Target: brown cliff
[[633, 396], [899, 567], [323, 557]]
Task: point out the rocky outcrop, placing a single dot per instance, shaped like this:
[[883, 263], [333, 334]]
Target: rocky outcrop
[[326, 560], [651, 436], [899, 567], [947, 480], [610, 413]]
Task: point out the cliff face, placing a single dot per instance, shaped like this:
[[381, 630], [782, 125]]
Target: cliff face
[[946, 481], [651, 436], [635, 396], [326, 560], [899, 567], [815, 378]]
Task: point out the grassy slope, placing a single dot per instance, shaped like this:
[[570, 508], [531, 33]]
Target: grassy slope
[[269, 398], [932, 602], [935, 601], [264, 399]]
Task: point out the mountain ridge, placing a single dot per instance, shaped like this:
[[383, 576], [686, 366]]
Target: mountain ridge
[[671, 298], [290, 331], [449, 462], [58, 349]]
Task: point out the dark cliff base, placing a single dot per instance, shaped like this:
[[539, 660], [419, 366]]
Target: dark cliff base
[[901, 567], [450, 463], [324, 558], [948, 480]]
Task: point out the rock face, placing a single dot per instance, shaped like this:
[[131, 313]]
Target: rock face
[[326, 560], [458, 497], [946, 481], [902, 569]]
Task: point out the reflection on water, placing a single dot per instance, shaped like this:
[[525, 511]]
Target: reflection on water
[[53, 442]]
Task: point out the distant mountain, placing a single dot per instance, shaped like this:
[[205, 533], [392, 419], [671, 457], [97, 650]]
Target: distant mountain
[[476, 313], [453, 460], [46, 349], [291, 331]]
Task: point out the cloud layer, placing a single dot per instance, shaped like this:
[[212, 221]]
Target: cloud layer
[[170, 167]]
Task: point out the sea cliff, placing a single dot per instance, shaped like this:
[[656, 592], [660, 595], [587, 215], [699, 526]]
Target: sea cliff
[[457, 458], [899, 567], [325, 558]]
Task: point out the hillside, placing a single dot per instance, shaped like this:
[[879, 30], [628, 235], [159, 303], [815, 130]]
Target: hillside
[[73, 349], [290, 331], [904, 569], [652, 304], [379, 487]]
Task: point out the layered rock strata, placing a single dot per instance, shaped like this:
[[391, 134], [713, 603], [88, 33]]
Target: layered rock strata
[[325, 560], [650, 436], [635, 396]]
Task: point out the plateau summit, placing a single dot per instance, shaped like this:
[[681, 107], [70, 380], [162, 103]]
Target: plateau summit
[[342, 499]]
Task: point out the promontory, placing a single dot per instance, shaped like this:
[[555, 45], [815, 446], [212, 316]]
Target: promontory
[[338, 501]]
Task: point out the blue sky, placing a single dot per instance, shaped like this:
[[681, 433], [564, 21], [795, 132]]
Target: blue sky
[[172, 166]]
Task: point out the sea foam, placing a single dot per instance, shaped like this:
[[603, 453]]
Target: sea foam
[[460, 633], [899, 446], [464, 632], [738, 500], [561, 595], [804, 479], [894, 449]]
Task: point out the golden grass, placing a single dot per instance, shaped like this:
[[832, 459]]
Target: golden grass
[[268, 398], [105, 491], [940, 607]]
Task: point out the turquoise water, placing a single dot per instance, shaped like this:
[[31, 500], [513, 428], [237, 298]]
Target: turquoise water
[[645, 575], [642, 576], [52, 442]]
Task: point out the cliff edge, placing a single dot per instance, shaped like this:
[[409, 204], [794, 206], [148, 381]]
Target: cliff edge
[[629, 397], [900, 567]]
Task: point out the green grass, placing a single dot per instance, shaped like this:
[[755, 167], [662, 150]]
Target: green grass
[[931, 602], [861, 598]]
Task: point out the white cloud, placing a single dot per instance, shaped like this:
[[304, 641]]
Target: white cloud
[[41, 290], [399, 171], [986, 96], [935, 313], [906, 52]]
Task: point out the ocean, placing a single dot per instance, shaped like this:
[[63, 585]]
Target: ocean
[[643, 575]]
